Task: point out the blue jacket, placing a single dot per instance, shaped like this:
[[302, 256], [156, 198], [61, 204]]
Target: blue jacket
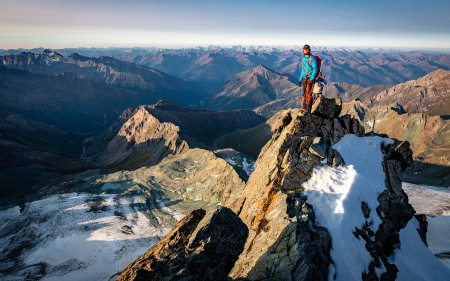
[[309, 70]]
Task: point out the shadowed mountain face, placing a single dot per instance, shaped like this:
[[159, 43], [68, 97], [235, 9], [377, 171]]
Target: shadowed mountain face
[[34, 154], [65, 100], [352, 67], [109, 71], [250, 141]]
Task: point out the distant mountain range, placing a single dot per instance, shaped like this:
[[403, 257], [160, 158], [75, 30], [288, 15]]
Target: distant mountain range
[[65, 100], [213, 65], [352, 67], [110, 71]]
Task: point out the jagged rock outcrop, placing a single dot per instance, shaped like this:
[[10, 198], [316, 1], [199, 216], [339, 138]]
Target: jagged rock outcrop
[[200, 247], [144, 140], [394, 211]]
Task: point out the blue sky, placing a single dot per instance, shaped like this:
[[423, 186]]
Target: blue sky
[[105, 23]]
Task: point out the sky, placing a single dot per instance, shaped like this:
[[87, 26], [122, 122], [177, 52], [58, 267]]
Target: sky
[[140, 23]]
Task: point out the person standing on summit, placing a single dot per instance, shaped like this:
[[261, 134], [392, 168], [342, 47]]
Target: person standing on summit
[[310, 69]]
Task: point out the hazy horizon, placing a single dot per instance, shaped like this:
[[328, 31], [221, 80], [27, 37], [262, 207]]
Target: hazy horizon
[[72, 24], [226, 47]]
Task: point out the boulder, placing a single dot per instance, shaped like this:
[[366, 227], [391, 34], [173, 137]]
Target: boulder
[[319, 147], [200, 247], [324, 106]]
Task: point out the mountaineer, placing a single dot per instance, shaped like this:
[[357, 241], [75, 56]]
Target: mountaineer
[[310, 69]]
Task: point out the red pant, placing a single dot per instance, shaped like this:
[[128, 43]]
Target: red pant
[[307, 88]]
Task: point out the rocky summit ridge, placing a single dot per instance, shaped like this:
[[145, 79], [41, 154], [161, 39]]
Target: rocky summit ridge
[[285, 241]]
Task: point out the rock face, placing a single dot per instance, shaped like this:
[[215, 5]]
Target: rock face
[[428, 94], [143, 139], [199, 247]]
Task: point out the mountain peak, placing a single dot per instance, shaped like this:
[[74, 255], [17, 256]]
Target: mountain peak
[[262, 70], [428, 94], [50, 53], [79, 57], [252, 88], [433, 77]]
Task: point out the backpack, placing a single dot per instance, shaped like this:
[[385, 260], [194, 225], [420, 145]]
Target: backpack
[[319, 63]]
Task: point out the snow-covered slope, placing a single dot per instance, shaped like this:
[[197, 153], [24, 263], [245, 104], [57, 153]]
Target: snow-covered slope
[[74, 237], [337, 194], [435, 203]]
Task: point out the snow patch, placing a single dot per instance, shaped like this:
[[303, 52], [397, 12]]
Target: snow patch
[[414, 260], [78, 236], [248, 166], [336, 195], [231, 161], [438, 238], [428, 200]]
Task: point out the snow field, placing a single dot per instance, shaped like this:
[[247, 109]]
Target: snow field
[[414, 260], [435, 203], [80, 236], [336, 195]]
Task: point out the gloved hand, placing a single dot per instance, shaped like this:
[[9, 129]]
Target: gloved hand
[[299, 83]]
